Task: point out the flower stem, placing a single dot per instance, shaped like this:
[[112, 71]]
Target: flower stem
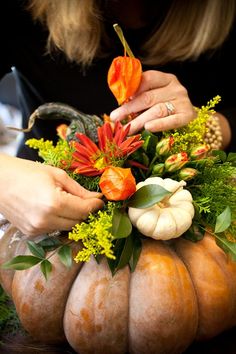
[[123, 40], [151, 164]]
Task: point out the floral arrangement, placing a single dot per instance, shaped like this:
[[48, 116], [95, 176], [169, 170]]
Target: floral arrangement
[[164, 185]]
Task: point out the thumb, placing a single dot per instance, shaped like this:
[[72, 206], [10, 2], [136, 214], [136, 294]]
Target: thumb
[[71, 186]]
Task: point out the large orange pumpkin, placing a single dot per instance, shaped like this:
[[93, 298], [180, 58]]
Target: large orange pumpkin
[[180, 292]]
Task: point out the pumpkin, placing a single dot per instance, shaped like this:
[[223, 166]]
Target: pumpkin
[[179, 292], [169, 218]]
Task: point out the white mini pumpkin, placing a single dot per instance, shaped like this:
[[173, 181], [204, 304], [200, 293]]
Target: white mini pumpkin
[[169, 218]]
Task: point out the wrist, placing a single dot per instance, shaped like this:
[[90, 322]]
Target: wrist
[[225, 130], [218, 133]]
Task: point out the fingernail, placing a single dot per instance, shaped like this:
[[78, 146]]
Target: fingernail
[[114, 115], [95, 195], [98, 195]]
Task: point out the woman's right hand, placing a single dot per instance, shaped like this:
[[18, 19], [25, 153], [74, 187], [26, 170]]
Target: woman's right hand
[[37, 198]]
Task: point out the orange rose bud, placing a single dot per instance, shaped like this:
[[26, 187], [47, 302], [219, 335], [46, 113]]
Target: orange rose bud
[[117, 183], [124, 77], [176, 162], [187, 173], [164, 146], [199, 152]]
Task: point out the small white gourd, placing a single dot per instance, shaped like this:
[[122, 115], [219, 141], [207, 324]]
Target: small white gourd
[[169, 218]]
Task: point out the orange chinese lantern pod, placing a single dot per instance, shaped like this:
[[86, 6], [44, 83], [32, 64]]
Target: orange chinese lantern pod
[[124, 77], [117, 183]]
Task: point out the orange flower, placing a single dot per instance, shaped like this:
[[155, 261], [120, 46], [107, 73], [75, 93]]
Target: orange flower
[[113, 148], [62, 130], [176, 162], [124, 76], [117, 183]]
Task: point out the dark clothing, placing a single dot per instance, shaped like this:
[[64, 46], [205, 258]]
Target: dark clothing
[[51, 78]]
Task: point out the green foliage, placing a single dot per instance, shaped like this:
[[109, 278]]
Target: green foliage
[[39, 256], [90, 183], [9, 321], [202, 205], [228, 246], [213, 190], [121, 224], [223, 221], [65, 255], [127, 251], [59, 155], [147, 195]]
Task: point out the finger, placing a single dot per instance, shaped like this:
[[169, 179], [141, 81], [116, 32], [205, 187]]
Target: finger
[[73, 187], [56, 223], [76, 208], [61, 224], [154, 79], [171, 122], [154, 113], [142, 102], [52, 224], [70, 211]]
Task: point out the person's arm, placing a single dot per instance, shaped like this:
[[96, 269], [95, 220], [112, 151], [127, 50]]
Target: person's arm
[[37, 198], [225, 130], [229, 114]]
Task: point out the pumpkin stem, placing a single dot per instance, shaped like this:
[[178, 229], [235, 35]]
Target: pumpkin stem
[[165, 201], [120, 34]]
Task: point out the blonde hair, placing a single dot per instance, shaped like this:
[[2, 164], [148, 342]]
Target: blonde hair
[[189, 29]]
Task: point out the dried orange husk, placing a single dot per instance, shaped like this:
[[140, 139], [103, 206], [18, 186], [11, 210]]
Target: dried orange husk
[[124, 77], [117, 183]]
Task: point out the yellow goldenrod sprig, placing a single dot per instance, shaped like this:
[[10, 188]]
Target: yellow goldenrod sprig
[[193, 133], [95, 235]]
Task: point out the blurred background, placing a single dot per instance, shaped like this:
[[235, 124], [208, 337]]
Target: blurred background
[[9, 115]]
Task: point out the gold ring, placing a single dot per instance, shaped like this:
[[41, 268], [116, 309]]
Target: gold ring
[[170, 108]]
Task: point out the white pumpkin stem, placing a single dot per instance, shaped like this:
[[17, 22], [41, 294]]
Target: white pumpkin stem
[[166, 199]]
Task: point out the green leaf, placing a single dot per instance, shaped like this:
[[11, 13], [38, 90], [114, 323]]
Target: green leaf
[[49, 243], [232, 158], [36, 249], [121, 224], [221, 154], [137, 248], [195, 233], [98, 258], [150, 142], [118, 247], [65, 255], [21, 262], [227, 246], [126, 253], [223, 220], [46, 268], [147, 196]]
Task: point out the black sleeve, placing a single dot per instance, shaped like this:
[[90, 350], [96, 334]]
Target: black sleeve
[[10, 18]]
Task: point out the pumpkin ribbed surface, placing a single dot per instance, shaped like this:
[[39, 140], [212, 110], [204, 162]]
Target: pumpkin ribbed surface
[[178, 293]]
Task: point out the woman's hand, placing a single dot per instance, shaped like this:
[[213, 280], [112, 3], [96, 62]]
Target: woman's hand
[[161, 103], [37, 198]]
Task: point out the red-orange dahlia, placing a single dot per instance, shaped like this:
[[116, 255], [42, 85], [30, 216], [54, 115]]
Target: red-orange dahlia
[[113, 148]]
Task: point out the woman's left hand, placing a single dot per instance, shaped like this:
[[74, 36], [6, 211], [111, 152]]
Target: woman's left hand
[[161, 103]]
